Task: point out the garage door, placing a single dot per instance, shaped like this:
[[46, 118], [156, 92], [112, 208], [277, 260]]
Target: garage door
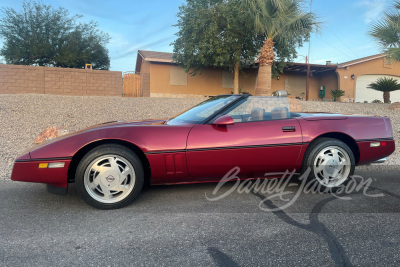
[[365, 94]]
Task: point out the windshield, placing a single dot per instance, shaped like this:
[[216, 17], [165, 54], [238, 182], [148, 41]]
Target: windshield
[[204, 110]]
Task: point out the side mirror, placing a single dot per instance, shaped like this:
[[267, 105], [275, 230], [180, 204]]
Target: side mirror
[[224, 120]]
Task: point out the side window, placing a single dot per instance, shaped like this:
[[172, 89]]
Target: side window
[[260, 108]]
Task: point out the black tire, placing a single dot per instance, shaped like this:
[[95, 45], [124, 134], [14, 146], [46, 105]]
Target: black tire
[[309, 160], [116, 152]]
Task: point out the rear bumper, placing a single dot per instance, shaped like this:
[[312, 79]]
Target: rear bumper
[[370, 154], [28, 171], [383, 160]]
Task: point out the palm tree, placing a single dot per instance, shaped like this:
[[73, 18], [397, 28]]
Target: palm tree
[[277, 19], [385, 85], [387, 32]]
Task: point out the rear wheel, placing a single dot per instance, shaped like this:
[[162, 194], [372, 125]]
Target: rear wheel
[[109, 177], [331, 163]]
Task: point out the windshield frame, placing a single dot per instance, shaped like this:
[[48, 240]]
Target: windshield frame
[[213, 116]]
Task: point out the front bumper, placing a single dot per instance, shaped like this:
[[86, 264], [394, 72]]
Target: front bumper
[[29, 171]]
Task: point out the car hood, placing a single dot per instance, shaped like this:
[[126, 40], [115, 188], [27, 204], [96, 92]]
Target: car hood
[[99, 127]]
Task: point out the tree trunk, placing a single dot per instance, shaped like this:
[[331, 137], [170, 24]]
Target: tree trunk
[[264, 81], [386, 97], [236, 79], [266, 59]]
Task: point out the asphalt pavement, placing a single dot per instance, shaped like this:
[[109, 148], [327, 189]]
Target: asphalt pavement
[[180, 226]]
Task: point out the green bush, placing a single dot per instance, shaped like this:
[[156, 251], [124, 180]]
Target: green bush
[[377, 101], [336, 94]]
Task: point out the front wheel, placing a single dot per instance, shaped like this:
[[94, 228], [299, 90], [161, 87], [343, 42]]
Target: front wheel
[[109, 177], [331, 163]]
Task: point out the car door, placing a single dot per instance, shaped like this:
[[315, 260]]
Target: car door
[[257, 147]]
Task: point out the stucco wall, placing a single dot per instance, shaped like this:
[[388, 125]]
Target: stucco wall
[[330, 81], [16, 79], [207, 82], [295, 84], [376, 66]]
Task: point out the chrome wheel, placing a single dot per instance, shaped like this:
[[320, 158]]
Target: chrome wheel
[[332, 166], [109, 179]]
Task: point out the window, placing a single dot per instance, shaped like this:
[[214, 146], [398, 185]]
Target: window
[[260, 108], [204, 110], [387, 61], [177, 76]]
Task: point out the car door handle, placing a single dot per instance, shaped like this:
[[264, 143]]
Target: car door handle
[[288, 129]]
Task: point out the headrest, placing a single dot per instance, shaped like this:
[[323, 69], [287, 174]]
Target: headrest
[[257, 114], [280, 113]]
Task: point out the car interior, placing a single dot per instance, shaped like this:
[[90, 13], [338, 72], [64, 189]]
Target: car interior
[[259, 114]]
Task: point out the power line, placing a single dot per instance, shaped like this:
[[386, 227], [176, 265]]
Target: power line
[[343, 42], [337, 49], [309, 41]]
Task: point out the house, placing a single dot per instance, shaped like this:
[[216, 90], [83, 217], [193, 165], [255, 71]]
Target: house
[[161, 77], [355, 76]]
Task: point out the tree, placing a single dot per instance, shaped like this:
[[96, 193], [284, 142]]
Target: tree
[[385, 85], [40, 35], [215, 33], [387, 32], [281, 21]]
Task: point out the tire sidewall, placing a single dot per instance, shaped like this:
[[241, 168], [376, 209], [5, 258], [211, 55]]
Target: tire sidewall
[[108, 150]]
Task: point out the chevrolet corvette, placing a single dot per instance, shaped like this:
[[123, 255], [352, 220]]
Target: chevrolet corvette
[[111, 162]]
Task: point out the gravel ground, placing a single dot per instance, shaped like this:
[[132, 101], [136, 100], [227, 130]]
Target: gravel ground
[[23, 117]]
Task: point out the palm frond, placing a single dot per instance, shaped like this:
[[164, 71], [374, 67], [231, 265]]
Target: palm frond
[[386, 32], [393, 54], [277, 17], [385, 84]]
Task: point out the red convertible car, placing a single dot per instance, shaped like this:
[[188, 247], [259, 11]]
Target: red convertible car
[[111, 162]]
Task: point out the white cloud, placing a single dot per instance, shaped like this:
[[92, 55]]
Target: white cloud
[[374, 9]]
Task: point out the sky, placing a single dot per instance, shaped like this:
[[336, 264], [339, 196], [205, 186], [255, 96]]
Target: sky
[[148, 25]]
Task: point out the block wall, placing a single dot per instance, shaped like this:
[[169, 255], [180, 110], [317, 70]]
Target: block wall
[[16, 79]]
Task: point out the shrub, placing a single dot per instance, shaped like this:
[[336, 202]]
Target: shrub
[[336, 94]]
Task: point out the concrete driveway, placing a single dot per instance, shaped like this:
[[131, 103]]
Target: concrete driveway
[[178, 226]]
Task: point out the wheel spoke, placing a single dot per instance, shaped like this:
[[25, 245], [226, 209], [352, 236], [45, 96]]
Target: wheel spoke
[[342, 165], [125, 173], [93, 185], [335, 155], [105, 191], [326, 178], [113, 163], [99, 169], [339, 169], [319, 168], [335, 173], [96, 181], [121, 188]]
